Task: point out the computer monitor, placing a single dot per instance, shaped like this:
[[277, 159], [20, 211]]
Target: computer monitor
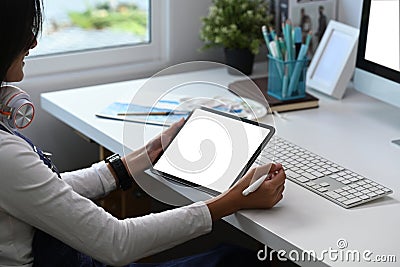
[[378, 59]]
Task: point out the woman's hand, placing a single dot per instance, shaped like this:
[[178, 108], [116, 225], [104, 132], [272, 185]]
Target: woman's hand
[[265, 197], [141, 159]]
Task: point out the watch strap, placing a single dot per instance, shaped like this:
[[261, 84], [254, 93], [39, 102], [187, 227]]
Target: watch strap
[[125, 181]]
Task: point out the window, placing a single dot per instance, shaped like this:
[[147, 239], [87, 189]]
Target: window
[[78, 25], [81, 35]]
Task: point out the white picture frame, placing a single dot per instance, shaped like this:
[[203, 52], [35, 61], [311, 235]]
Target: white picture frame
[[333, 63]]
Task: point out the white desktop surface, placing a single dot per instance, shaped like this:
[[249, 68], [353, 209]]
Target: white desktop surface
[[355, 132]]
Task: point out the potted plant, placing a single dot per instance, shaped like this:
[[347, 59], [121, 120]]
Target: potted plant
[[236, 25]]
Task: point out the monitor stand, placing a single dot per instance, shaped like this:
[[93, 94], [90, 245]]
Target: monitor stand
[[397, 142]]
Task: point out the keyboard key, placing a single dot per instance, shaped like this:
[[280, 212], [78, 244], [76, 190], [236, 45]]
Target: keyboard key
[[333, 195], [322, 189], [310, 184], [291, 174], [309, 176], [317, 174], [302, 179], [325, 184], [352, 201]]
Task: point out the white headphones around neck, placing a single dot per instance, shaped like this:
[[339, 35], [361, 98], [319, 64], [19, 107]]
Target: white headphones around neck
[[16, 109]]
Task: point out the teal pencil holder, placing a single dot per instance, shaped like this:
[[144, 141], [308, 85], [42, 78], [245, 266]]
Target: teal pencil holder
[[287, 79]]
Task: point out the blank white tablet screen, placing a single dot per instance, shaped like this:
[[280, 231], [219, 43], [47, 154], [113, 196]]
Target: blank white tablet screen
[[211, 150]]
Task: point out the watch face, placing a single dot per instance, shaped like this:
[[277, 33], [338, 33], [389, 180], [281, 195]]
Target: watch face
[[113, 158]]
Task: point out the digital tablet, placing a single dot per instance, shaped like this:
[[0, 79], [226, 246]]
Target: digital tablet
[[212, 150]]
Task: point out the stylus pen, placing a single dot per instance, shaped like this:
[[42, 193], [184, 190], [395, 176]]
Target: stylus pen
[[254, 186], [159, 113]]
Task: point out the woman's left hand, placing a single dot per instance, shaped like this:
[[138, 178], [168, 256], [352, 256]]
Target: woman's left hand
[[141, 159]]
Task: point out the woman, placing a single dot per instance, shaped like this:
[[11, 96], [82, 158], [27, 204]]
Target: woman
[[41, 214]]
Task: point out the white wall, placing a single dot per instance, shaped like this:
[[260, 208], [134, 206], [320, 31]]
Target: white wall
[[350, 12], [71, 151]]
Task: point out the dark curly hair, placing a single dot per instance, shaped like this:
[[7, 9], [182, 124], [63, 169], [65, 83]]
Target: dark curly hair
[[20, 24]]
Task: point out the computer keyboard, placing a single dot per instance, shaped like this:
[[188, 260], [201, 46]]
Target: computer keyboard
[[321, 176]]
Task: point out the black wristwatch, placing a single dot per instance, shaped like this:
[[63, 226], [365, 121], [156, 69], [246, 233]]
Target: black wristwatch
[[124, 179]]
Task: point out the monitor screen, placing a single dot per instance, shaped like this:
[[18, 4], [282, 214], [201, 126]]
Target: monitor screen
[[377, 71], [379, 49]]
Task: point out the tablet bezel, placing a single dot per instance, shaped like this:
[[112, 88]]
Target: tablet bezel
[[247, 166]]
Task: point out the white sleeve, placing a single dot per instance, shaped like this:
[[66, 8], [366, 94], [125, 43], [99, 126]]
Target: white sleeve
[[35, 195], [93, 182]]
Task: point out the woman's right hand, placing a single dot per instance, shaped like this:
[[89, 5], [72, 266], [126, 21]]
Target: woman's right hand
[[266, 196]]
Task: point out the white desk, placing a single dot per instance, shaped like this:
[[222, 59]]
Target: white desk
[[355, 133]]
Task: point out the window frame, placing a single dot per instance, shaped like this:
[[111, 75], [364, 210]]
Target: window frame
[[136, 57]]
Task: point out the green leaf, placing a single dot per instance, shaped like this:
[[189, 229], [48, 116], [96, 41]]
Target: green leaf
[[235, 24]]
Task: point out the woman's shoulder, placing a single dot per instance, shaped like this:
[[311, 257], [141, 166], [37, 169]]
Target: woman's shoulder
[[12, 148], [10, 141], [19, 164]]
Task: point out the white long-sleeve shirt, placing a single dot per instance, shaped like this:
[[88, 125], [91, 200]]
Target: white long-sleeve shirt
[[32, 196]]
